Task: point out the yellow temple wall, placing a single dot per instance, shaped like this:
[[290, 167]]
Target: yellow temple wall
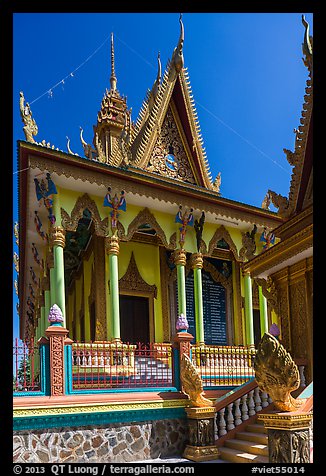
[[148, 263]]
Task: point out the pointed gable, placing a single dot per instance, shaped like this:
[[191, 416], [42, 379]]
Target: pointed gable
[[166, 137]]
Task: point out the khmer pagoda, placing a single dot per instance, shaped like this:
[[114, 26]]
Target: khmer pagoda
[[130, 257]]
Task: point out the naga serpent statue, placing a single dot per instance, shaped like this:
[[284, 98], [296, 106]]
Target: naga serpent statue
[[277, 374]]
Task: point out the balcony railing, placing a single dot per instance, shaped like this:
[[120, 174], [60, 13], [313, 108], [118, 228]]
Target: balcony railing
[[223, 365], [105, 365]]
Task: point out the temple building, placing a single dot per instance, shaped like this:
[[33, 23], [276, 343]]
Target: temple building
[[134, 241]]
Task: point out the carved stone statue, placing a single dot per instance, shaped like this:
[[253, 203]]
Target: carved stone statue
[[192, 384], [30, 128], [276, 373], [248, 244]]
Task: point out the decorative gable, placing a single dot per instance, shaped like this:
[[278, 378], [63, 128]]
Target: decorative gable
[[169, 157]]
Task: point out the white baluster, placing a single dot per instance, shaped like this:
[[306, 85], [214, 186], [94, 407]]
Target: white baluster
[[237, 412], [95, 359], [222, 424], [257, 399], [251, 403], [302, 376], [230, 417], [78, 360], [101, 360], [215, 428], [84, 360], [264, 399], [244, 408], [269, 399]]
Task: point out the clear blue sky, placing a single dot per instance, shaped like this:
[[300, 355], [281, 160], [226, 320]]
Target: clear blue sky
[[246, 73]]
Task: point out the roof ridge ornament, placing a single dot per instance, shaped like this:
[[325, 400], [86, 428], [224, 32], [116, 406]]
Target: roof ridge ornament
[[113, 78], [177, 57], [30, 127], [307, 45]]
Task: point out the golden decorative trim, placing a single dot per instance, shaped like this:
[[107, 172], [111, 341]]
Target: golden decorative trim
[[220, 233], [145, 217], [201, 453], [180, 257], [84, 408], [286, 421], [112, 245], [280, 252], [200, 412], [70, 223], [196, 261], [57, 236], [132, 280], [141, 184], [269, 291]]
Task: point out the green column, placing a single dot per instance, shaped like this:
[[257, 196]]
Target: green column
[[263, 312], [180, 262], [57, 239], [47, 299], [248, 310], [59, 279], [197, 264], [113, 251]]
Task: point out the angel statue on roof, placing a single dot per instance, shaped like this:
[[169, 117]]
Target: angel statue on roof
[[116, 203]]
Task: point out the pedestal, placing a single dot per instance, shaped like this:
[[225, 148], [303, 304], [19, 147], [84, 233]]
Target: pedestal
[[201, 434], [288, 436]]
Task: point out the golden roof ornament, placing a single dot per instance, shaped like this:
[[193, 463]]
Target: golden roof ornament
[[307, 45], [217, 183], [30, 127], [276, 373], [192, 384], [113, 78], [177, 57]]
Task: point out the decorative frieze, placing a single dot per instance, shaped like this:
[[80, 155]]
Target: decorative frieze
[[180, 257]]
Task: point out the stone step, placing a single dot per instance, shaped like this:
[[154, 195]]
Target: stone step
[[252, 436], [256, 428], [238, 456], [247, 446]]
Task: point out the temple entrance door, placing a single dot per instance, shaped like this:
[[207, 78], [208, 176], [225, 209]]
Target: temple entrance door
[[134, 319]]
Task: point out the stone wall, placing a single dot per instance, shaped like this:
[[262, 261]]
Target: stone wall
[[113, 443]]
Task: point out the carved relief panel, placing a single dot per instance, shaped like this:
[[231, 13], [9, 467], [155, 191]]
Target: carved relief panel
[[169, 157]]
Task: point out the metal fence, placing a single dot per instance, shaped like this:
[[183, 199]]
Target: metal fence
[[26, 366], [119, 365]]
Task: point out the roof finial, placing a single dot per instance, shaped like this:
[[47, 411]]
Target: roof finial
[[307, 45], [113, 78], [177, 57]]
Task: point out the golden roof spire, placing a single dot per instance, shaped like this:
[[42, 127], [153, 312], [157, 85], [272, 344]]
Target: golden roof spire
[[113, 78], [307, 45]]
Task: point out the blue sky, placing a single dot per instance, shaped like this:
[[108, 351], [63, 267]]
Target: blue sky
[[246, 73]]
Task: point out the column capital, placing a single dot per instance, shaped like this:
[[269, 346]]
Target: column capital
[[112, 245], [57, 236], [196, 261], [180, 257]]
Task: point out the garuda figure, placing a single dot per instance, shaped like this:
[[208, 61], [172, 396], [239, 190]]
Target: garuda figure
[[45, 191]]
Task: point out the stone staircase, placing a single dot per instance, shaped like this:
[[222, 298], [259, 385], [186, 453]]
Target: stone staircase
[[249, 446]]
